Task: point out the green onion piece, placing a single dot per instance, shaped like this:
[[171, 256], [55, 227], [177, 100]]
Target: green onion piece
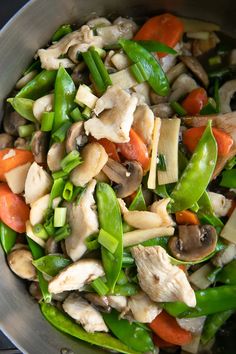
[[92, 242], [68, 191], [60, 217], [228, 179], [76, 115], [231, 163], [26, 130], [100, 287], [162, 163], [101, 52], [57, 190], [61, 32], [47, 121], [127, 261], [101, 67], [60, 134], [62, 233], [214, 60], [176, 106], [86, 114], [49, 227], [72, 160], [40, 231], [59, 174], [96, 76], [107, 240], [139, 73]]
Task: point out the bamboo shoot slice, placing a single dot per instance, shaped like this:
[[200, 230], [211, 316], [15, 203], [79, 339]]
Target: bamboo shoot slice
[[228, 232], [168, 146], [124, 79], [200, 277], [153, 165]]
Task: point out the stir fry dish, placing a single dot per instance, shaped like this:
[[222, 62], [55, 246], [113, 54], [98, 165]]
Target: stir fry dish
[[118, 182]]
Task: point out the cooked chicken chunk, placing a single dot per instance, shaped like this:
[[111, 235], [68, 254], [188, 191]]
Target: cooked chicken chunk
[[77, 41], [161, 280], [220, 204], [76, 275], [81, 311], [116, 113], [143, 123], [143, 309], [83, 221], [117, 302]]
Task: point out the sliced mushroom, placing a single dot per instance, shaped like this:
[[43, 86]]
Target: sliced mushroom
[[39, 146], [55, 154], [94, 158], [193, 242], [12, 122], [162, 110], [226, 93], [182, 85], [35, 291], [128, 176], [16, 178], [52, 246], [25, 79], [20, 262], [38, 183], [98, 301], [220, 204], [76, 275], [6, 141], [196, 67], [156, 99], [75, 137], [43, 104], [38, 210], [175, 72]]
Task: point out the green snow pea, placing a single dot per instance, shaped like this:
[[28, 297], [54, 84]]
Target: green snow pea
[[51, 264], [38, 252], [128, 289], [213, 324], [64, 96], [23, 106], [229, 178], [65, 324], [206, 214], [138, 202], [39, 86], [61, 32], [227, 275], [155, 46], [156, 76], [209, 301], [110, 220], [7, 237], [135, 336], [197, 174]]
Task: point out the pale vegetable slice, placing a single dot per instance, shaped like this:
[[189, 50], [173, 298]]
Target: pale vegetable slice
[[124, 79], [200, 277], [16, 178], [191, 25], [85, 97], [38, 210], [168, 146], [228, 231], [138, 236], [43, 104], [153, 165], [198, 35], [30, 234], [120, 61], [193, 346]]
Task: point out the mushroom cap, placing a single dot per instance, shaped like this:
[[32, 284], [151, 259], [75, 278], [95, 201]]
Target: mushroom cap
[[6, 141], [39, 146], [193, 242], [74, 132], [20, 262], [196, 67], [11, 122]]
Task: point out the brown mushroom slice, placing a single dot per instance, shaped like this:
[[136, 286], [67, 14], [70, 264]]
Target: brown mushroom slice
[[196, 67], [39, 146], [11, 123], [20, 262], [193, 242], [6, 141], [55, 155], [128, 176], [22, 144], [75, 137]]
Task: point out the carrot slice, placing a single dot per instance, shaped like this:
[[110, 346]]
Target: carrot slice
[[13, 210], [166, 28], [110, 148], [11, 158], [192, 136], [186, 217], [135, 149], [161, 343], [167, 328], [195, 101]]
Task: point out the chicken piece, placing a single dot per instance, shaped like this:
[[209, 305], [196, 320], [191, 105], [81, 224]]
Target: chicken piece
[[143, 309], [83, 221], [76, 275], [162, 281], [37, 184], [220, 204], [38, 210], [116, 113], [81, 311], [226, 122], [77, 41], [143, 123], [117, 302]]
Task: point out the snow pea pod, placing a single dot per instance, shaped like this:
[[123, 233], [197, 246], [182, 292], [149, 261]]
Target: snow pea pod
[[110, 220], [64, 96], [51, 264], [7, 237], [64, 324], [197, 174], [39, 86], [209, 301], [206, 214], [138, 202], [153, 70], [135, 336], [228, 274]]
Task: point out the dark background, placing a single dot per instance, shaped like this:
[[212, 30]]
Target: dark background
[[8, 8]]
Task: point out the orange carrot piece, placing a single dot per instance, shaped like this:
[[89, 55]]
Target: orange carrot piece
[[18, 158], [186, 217], [195, 101]]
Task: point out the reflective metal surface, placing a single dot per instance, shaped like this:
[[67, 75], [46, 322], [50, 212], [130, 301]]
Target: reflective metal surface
[[30, 29]]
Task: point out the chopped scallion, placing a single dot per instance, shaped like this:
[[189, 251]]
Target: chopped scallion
[[86, 114], [60, 217], [26, 130], [96, 75], [176, 106], [68, 191], [100, 287], [61, 32], [57, 189], [47, 121], [76, 115], [107, 240], [214, 60], [60, 134], [40, 231], [92, 242], [62, 233], [101, 67], [59, 174], [48, 225], [72, 160]]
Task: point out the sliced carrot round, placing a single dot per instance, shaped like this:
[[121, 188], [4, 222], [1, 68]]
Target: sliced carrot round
[[195, 101]]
